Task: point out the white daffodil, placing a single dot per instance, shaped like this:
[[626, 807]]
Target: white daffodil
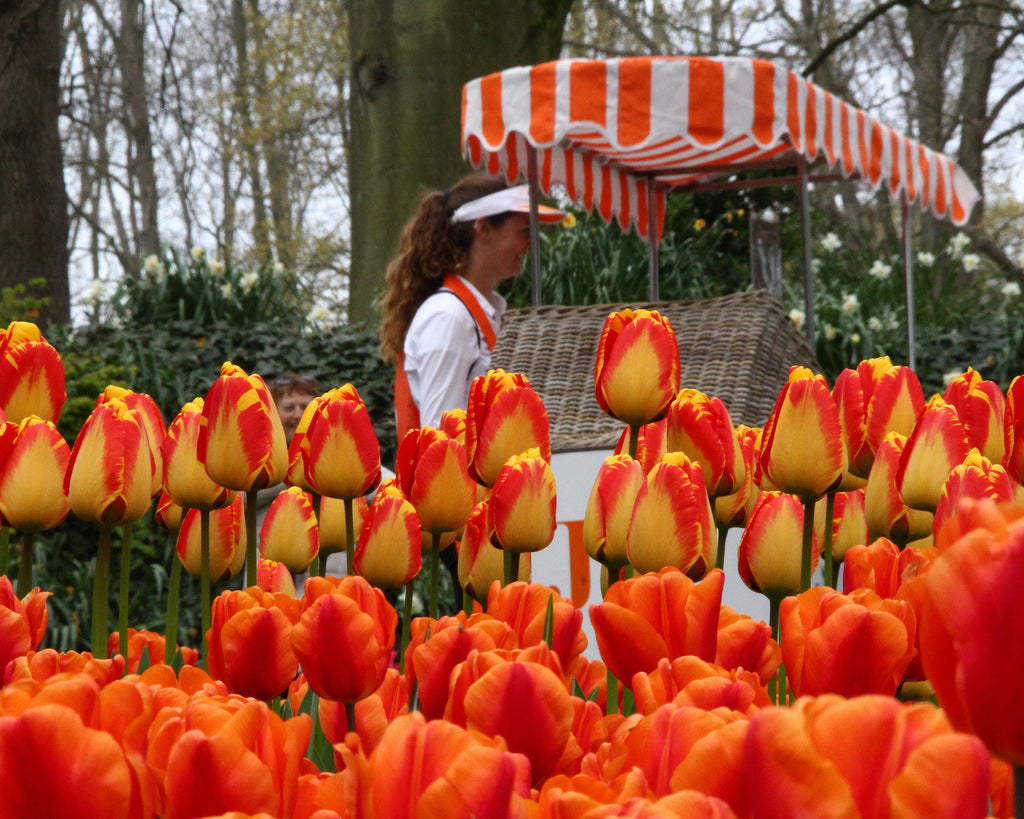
[[957, 244], [830, 332], [880, 270], [1011, 290], [925, 259], [152, 264], [249, 281], [798, 317], [217, 267], [198, 253], [830, 242], [227, 290], [94, 293], [971, 262], [874, 324], [850, 302]]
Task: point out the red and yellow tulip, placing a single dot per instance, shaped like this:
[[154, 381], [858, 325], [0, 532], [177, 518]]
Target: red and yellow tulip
[[699, 426], [637, 370], [389, 553], [974, 479], [152, 420], [522, 503], [275, 577], [340, 448], [849, 525], [34, 458], [110, 472], [672, 524], [937, 444], [227, 541], [481, 563], [1013, 429], [651, 443], [769, 559], [981, 407], [185, 478], [31, 374], [884, 510], [802, 449], [505, 417], [734, 509], [250, 642], [333, 535], [610, 510], [241, 440], [289, 533], [432, 473]]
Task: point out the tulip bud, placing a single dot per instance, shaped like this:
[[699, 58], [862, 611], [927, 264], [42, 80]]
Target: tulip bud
[[505, 418], [937, 444], [152, 420], [340, 448], [849, 526], [481, 563], [650, 443], [184, 477], [227, 541], [699, 426], [333, 537], [275, 577], [1013, 429], [522, 503], [289, 534], [974, 479], [637, 370], [33, 461], [31, 374], [770, 558], [981, 407], [389, 551], [610, 510], [884, 510], [734, 509], [431, 470]]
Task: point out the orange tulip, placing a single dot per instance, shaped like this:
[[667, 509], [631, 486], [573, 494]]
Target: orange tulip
[[358, 623], [802, 450], [432, 472], [389, 552], [636, 372], [227, 541], [846, 644], [505, 417], [436, 768], [151, 643], [744, 642], [184, 476], [289, 533], [865, 756], [275, 577], [31, 374], [215, 754], [672, 523], [250, 642], [734, 509], [528, 706], [41, 665], [51, 764], [524, 607], [873, 400], [340, 448], [981, 407], [937, 444], [884, 510], [610, 510], [976, 478], [769, 552], [658, 615], [33, 461], [883, 567], [22, 622], [849, 526], [971, 627], [651, 443], [522, 503], [1013, 429], [152, 420], [241, 440], [690, 681], [110, 472], [699, 426]]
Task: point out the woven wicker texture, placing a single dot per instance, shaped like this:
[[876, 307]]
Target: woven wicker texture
[[737, 347]]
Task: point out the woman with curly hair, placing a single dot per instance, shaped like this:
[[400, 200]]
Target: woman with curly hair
[[441, 309]]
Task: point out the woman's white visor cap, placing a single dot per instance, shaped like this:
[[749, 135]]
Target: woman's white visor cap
[[515, 200]]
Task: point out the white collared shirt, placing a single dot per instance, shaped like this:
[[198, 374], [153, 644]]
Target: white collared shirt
[[445, 350]]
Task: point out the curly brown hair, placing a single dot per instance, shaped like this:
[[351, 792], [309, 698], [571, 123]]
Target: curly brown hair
[[431, 246]]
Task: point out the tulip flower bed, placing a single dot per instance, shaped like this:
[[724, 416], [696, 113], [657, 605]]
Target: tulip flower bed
[[896, 696]]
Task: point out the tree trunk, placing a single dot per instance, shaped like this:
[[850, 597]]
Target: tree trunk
[[410, 60], [33, 201]]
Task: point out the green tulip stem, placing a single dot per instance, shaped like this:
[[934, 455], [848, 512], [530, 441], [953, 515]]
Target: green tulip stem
[[612, 706], [251, 551], [777, 684], [25, 568], [5, 549], [101, 595], [507, 557], [406, 625], [634, 440], [350, 716], [830, 568], [321, 556], [435, 571], [513, 572], [467, 602], [723, 533], [805, 560], [173, 596], [204, 574], [122, 599], [1018, 790], [350, 538]]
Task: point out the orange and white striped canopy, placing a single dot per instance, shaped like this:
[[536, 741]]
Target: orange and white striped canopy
[[606, 130]]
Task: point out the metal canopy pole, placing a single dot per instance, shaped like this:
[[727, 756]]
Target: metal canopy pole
[[908, 279], [805, 225], [652, 243], [531, 172]]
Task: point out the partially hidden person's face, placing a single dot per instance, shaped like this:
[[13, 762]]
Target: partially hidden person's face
[[508, 245], [290, 407]]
